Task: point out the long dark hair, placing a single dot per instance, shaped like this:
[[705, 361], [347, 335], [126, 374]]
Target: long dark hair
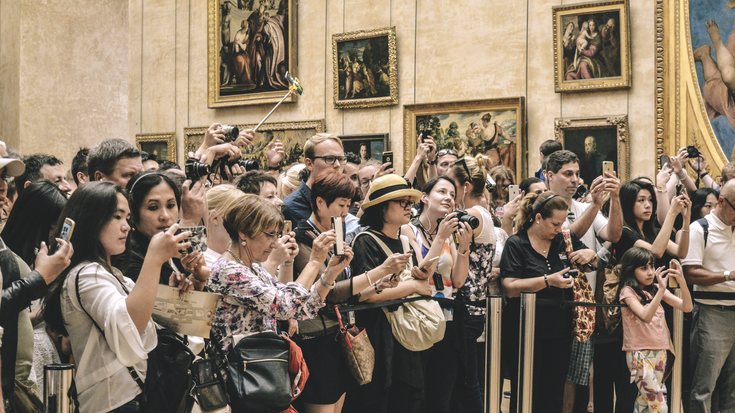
[[34, 213], [634, 258], [91, 206], [699, 198], [140, 185], [628, 197]]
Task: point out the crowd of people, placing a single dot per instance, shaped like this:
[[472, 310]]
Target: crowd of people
[[448, 228]]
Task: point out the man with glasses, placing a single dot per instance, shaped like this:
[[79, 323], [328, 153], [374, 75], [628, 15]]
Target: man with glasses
[[708, 266]]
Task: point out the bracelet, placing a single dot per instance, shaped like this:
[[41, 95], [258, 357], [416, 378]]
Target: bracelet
[[376, 289], [368, 277], [661, 191], [546, 280], [466, 254], [274, 168], [703, 175], [431, 162], [287, 264], [324, 283], [683, 230]]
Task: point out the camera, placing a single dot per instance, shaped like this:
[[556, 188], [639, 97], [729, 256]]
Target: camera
[[231, 132], [572, 273], [195, 169], [692, 151], [470, 220], [248, 165]]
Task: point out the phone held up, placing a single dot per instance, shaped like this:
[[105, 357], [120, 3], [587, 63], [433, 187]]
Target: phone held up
[[679, 189], [339, 246], [66, 230], [608, 167], [388, 157], [672, 281], [513, 192], [287, 227]]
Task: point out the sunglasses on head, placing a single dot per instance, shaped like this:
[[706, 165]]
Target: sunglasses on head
[[447, 152]]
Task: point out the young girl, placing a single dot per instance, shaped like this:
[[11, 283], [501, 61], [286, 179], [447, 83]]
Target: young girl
[[645, 335]]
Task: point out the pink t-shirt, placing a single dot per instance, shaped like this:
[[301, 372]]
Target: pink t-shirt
[[638, 335]]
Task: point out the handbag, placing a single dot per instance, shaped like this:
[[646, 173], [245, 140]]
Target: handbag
[[259, 380], [611, 316], [357, 351], [416, 325], [25, 399], [210, 389], [584, 316]]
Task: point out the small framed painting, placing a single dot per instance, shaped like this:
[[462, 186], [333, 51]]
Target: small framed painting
[[162, 145], [367, 147]]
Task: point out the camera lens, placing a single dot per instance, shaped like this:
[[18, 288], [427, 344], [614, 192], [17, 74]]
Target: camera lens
[[250, 165], [195, 169], [231, 132]]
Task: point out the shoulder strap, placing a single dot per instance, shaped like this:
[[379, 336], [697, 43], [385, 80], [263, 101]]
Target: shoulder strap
[[705, 227], [568, 240], [380, 242], [133, 374]]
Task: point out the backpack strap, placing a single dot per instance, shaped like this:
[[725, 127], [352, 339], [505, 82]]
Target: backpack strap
[[705, 227], [133, 374]]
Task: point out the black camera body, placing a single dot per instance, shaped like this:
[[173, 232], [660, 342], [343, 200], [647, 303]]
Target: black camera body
[[231, 132], [248, 165], [195, 169], [572, 273], [470, 220], [692, 151]]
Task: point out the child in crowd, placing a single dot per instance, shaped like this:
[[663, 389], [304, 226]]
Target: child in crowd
[[645, 335]]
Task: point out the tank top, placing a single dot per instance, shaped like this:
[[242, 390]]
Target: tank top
[[443, 267]]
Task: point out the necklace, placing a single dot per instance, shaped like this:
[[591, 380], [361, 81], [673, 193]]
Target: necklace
[[236, 257]]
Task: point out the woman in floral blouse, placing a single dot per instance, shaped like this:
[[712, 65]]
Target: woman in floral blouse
[[252, 300]]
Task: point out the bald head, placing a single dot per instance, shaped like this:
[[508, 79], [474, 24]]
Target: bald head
[[728, 190], [724, 209]]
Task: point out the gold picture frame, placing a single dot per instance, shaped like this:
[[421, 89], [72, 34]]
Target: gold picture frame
[[578, 66], [292, 135], [360, 62], [163, 145], [233, 79], [609, 143], [509, 144], [682, 116]]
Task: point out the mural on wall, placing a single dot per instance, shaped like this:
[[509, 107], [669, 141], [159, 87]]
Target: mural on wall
[[713, 42], [251, 47]]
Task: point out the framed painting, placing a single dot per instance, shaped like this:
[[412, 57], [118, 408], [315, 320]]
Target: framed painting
[[367, 147], [493, 127], [591, 46], [291, 134], [162, 145], [251, 46], [594, 141], [365, 72]]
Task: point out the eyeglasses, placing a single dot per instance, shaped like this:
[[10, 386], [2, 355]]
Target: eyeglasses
[[273, 236], [404, 203], [447, 152], [728, 203], [366, 182], [464, 165], [329, 160]]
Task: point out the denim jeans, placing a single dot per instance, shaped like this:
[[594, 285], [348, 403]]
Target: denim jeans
[[132, 406]]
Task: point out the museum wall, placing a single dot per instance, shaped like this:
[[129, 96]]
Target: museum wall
[[63, 74]]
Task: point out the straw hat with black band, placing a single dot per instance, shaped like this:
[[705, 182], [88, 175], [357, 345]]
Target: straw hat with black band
[[389, 187]]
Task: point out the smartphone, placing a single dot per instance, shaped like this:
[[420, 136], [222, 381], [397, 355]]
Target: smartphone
[[287, 227], [438, 282], [607, 166], [679, 189], [672, 281], [429, 263], [339, 246], [67, 229], [425, 135], [198, 239], [388, 157], [663, 160], [513, 192]]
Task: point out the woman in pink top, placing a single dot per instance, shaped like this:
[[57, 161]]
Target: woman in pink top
[[645, 335]]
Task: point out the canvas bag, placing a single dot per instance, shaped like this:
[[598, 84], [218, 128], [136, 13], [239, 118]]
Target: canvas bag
[[584, 317], [417, 325]]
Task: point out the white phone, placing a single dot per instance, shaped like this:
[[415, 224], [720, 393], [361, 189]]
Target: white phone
[[339, 246], [513, 192]]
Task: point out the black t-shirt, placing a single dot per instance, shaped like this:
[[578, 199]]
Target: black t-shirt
[[628, 240], [369, 255], [520, 260]]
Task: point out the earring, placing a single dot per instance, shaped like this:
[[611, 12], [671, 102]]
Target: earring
[[243, 243], [537, 223]]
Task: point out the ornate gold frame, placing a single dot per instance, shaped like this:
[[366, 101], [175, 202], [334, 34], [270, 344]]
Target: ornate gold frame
[[620, 123], [390, 32], [214, 100], [681, 118], [193, 136], [608, 83], [168, 138], [411, 111]]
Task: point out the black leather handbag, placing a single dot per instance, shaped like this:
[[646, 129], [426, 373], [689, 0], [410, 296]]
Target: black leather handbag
[[259, 381]]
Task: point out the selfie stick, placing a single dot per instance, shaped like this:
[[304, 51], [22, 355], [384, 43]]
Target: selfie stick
[[294, 87]]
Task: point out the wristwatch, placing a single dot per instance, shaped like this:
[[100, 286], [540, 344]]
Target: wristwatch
[[727, 275]]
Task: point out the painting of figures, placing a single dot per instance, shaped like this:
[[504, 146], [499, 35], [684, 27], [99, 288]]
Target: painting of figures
[[251, 47]]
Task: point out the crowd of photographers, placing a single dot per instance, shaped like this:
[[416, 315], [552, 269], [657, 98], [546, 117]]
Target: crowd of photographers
[[468, 232]]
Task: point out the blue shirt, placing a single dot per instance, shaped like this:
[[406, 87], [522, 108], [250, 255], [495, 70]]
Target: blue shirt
[[540, 175]]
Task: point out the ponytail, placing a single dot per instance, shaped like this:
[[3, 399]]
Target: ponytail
[[532, 204]]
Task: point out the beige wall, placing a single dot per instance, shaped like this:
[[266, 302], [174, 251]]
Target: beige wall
[[64, 68]]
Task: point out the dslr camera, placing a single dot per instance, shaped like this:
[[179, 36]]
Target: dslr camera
[[692, 152], [195, 169], [470, 220], [248, 165]]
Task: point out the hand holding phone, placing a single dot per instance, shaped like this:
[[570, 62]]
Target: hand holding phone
[[429, 263], [388, 157], [513, 192], [608, 167], [672, 281], [339, 248]]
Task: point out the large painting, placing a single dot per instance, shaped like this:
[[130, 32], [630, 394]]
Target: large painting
[[492, 127], [252, 44], [293, 135], [365, 73], [591, 46]]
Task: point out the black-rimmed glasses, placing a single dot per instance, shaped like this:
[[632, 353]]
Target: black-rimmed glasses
[[728, 203], [329, 159], [403, 203]]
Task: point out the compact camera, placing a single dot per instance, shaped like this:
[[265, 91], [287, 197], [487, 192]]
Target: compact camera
[[231, 132]]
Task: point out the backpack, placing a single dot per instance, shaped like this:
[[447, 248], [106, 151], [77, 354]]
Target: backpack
[[705, 227]]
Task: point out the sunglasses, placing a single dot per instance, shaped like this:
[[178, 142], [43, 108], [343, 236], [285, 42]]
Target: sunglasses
[[462, 162], [447, 152]]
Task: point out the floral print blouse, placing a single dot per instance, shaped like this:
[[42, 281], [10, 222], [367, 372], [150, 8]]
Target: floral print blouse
[[476, 285], [252, 301]]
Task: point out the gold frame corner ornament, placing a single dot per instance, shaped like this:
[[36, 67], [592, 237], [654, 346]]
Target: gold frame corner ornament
[[390, 100], [623, 81], [168, 138], [619, 122]]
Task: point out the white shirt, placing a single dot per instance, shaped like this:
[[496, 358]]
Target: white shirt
[[590, 237], [103, 380], [211, 256], [719, 255]]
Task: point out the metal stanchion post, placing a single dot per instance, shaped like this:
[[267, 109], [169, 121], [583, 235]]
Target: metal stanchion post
[[493, 378], [675, 390], [525, 359]]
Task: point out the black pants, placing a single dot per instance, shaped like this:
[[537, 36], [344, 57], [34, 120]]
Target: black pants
[[611, 373]]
